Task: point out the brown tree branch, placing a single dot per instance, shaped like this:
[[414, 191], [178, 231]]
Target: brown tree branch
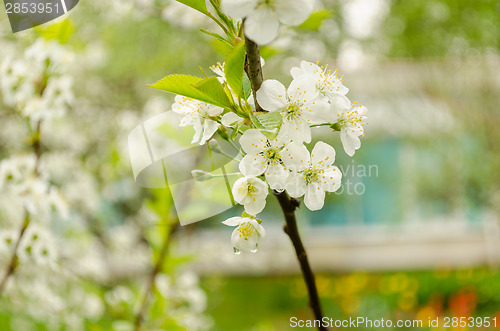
[[11, 267], [253, 69], [139, 318], [288, 205], [13, 261]]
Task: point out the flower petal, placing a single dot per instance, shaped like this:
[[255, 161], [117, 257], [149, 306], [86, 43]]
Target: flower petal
[[297, 131], [213, 110], [276, 176], [331, 180], [198, 130], [315, 197], [295, 156], [272, 95], [318, 111], [238, 8], [256, 206], [295, 185], [233, 221], [229, 119], [339, 105], [209, 128], [261, 25], [350, 140], [253, 141], [322, 155], [239, 193], [293, 12], [302, 89], [253, 165]]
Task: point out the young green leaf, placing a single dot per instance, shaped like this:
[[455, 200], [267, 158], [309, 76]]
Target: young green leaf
[[213, 88], [247, 87], [215, 35], [315, 20], [187, 86], [234, 68], [270, 120], [199, 5], [255, 121]]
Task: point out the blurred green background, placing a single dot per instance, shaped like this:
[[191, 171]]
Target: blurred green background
[[413, 234]]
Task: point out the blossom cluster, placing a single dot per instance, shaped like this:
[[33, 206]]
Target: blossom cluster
[[276, 157], [36, 84], [53, 185]]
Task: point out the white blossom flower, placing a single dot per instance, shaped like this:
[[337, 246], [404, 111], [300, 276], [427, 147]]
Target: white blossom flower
[[251, 192], [327, 82], [313, 174], [299, 106], [263, 156], [198, 114], [350, 121], [248, 235], [56, 98], [263, 16]]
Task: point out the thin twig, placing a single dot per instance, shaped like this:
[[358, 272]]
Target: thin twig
[[36, 145], [139, 318], [288, 205], [11, 267]]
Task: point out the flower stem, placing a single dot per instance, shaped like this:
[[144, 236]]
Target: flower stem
[[288, 205]]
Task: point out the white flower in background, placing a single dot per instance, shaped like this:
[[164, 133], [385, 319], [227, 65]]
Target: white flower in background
[[263, 156], [263, 16], [178, 14], [350, 121], [8, 238], [299, 106], [311, 175], [38, 245], [250, 192], [53, 103], [43, 51], [198, 114], [327, 82], [34, 191], [248, 235]]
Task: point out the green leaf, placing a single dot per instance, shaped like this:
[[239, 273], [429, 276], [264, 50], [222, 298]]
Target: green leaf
[[221, 47], [194, 87], [213, 88], [234, 68], [215, 35], [315, 20], [247, 87], [255, 121], [271, 120], [59, 31], [199, 5]]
